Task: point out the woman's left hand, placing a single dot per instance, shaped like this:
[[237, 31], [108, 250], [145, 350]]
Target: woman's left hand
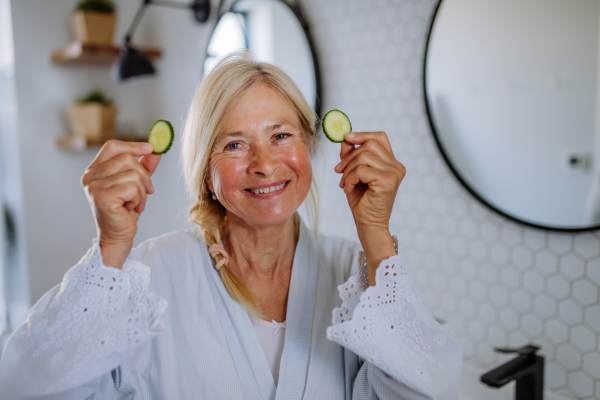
[[371, 177]]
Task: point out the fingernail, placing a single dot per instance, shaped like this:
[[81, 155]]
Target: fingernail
[[337, 166], [147, 147], [350, 135]]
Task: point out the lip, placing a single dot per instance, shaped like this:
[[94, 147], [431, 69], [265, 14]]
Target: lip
[[270, 195], [268, 184]]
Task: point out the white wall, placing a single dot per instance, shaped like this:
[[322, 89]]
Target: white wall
[[514, 85], [59, 223]]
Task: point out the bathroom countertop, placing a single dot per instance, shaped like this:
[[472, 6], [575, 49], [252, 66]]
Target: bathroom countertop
[[471, 388]]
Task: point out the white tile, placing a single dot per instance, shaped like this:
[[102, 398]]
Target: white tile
[[486, 354], [560, 242], [477, 330], [532, 325], [510, 276], [459, 247], [458, 285], [518, 339], [487, 313], [488, 272], [468, 228], [587, 245], [568, 357], [558, 287], [497, 336], [521, 300], [583, 339], [570, 312], [592, 317], [546, 262], [499, 254], [511, 234], [509, 318], [478, 250], [572, 266], [593, 270], [545, 306], [581, 384], [556, 377], [467, 347], [585, 292], [499, 295], [533, 282], [467, 307], [489, 231], [591, 364], [478, 290], [468, 268], [534, 238], [522, 257], [556, 331]]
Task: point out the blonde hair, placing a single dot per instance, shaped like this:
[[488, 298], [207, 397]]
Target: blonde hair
[[206, 118]]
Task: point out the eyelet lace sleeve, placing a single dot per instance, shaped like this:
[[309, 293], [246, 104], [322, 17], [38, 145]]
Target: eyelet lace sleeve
[[389, 326], [82, 328]]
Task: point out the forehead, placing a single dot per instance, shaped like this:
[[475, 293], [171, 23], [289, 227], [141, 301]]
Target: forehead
[[260, 107]]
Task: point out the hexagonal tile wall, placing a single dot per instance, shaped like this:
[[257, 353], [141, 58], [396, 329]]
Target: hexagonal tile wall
[[498, 283]]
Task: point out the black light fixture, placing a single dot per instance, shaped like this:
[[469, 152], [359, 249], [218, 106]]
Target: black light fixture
[[133, 63]]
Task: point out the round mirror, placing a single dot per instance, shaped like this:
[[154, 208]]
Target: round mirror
[[512, 95], [275, 33]]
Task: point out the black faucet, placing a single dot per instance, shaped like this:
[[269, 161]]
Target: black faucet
[[527, 369]]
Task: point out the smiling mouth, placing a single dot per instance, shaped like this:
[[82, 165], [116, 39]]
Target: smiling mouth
[[268, 189]]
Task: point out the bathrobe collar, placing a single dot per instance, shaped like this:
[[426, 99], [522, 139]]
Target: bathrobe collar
[[251, 364]]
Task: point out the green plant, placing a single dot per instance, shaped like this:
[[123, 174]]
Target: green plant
[[95, 96], [101, 6]]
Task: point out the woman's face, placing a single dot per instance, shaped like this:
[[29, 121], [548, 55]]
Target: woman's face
[[260, 164]]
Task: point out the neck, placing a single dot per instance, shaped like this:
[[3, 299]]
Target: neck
[[261, 253]]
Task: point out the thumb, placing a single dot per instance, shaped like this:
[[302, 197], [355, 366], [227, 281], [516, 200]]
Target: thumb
[[150, 162]]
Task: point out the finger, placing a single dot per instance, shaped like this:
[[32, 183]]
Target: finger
[[113, 148], [122, 178], [363, 174], [368, 159], [126, 194], [358, 138], [150, 162], [121, 163], [370, 146], [345, 149]]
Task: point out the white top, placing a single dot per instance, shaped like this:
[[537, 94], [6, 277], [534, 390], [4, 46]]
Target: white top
[[271, 336], [165, 327]]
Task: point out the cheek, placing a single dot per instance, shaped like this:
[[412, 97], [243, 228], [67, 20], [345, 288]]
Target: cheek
[[299, 160], [226, 173]]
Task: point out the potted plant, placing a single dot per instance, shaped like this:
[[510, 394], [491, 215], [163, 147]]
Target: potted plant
[[93, 117], [94, 22]]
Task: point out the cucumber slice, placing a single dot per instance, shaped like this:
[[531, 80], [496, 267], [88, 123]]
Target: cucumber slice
[[161, 136], [335, 125]]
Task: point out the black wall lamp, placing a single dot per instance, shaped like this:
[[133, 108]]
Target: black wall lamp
[[132, 63]]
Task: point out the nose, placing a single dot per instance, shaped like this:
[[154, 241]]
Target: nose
[[263, 161]]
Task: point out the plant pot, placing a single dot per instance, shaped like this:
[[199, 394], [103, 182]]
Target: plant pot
[[93, 27], [94, 122]]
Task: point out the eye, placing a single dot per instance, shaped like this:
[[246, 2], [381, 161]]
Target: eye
[[232, 146], [280, 136]]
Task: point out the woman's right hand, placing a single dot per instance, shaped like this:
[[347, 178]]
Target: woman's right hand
[[116, 185]]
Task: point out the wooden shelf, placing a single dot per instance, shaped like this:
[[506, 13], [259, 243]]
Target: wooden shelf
[[76, 143], [81, 53]]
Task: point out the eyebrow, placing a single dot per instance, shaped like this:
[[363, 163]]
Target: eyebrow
[[271, 127]]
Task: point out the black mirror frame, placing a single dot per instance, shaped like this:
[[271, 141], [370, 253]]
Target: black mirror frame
[[455, 172], [295, 8]]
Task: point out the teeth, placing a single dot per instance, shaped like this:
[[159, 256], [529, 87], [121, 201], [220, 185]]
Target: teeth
[[268, 190]]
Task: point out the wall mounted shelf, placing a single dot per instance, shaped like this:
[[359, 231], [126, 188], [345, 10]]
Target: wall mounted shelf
[[78, 143], [80, 53]]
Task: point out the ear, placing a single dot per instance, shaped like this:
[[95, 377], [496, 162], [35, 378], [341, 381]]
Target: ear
[[210, 185]]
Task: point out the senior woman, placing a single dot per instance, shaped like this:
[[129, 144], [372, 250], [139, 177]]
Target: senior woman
[[240, 308]]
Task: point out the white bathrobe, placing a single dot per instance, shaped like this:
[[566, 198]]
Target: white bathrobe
[[164, 327]]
